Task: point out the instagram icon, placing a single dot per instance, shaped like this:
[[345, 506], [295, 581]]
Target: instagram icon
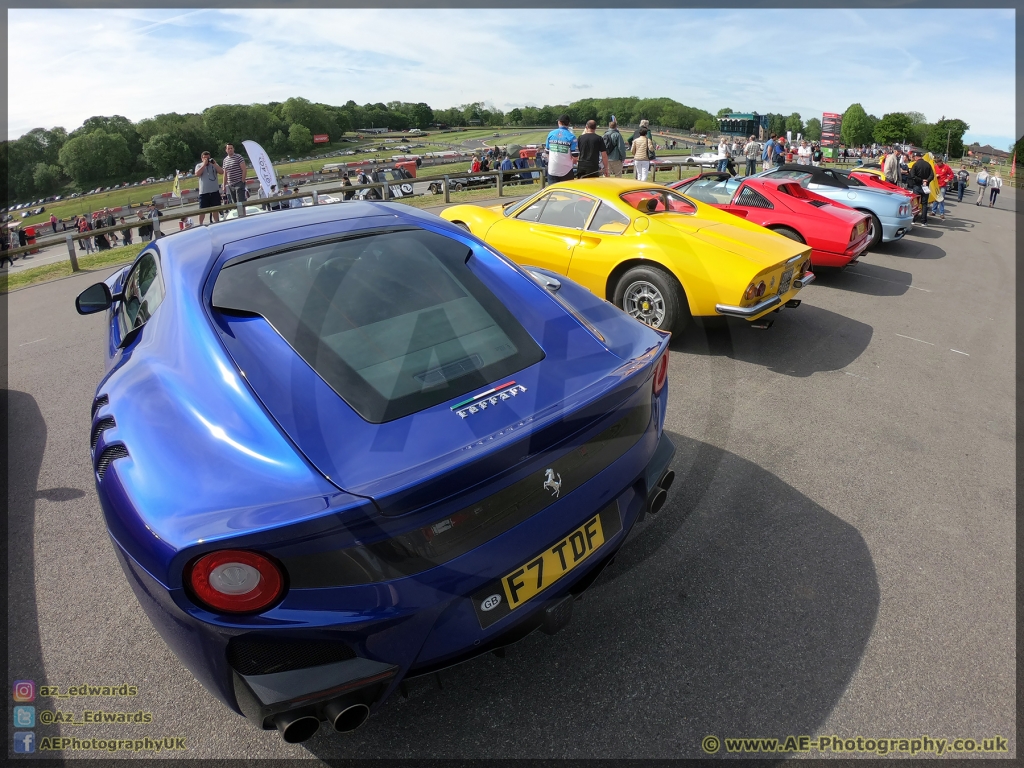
[[24, 690]]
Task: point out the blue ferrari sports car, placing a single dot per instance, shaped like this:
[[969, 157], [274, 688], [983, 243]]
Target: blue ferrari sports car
[[341, 446]]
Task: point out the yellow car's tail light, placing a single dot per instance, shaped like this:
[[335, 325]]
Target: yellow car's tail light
[[754, 291]]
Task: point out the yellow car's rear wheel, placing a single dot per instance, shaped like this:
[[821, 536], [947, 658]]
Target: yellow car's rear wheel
[[652, 296]]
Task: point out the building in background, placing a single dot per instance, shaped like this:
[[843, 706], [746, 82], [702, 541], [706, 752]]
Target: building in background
[[743, 124]]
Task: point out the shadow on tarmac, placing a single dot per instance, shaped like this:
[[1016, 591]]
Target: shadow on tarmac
[[742, 608], [868, 279], [802, 342], [24, 459]]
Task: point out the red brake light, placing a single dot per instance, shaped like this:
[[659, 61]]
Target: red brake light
[[754, 290], [661, 373], [235, 581], [760, 289]]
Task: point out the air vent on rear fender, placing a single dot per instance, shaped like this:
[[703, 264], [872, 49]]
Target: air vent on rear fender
[[254, 655], [101, 426], [98, 403], [753, 199], [818, 203], [110, 453]]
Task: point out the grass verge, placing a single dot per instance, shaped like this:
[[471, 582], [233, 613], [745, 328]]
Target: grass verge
[[124, 254]]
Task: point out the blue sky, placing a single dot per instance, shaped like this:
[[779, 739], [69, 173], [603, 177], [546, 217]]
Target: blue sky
[[144, 62]]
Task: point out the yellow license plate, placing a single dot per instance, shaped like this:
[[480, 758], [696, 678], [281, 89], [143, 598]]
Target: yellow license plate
[[552, 564]]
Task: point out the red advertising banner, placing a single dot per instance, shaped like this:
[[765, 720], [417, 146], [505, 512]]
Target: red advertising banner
[[321, 138]]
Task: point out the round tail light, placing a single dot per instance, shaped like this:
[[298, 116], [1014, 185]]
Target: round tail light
[[760, 289], [235, 581], [661, 373]]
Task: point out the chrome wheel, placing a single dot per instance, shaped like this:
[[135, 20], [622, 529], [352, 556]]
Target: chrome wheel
[[644, 301]]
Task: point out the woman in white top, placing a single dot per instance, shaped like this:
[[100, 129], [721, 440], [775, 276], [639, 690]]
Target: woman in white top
[[995, 183]]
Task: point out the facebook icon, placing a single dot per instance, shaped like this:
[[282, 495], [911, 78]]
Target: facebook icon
[[24, 742]]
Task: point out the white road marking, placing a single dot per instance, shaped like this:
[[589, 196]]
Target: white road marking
[[33, 342], [854, 375], [959, 352], [913, 339], [905, 285]]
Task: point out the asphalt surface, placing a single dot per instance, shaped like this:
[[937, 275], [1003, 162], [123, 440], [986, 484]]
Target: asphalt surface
[[836, 555]]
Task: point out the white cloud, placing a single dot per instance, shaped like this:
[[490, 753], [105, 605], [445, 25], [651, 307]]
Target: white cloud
[[103, 62]]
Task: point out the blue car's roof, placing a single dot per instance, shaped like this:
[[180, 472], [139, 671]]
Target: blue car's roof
[[219, 448]]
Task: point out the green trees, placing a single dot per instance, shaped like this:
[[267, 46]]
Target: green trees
[[894, 127], [857, 128], [166, 153], [47, 179], [795, 124], [96, 157], [724, 111], [776, 123], [706, 124], [812, 130], [946, 132], [515, 116], [300, 138]]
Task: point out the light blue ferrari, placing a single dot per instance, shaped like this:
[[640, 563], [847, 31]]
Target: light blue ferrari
[[890, 212]]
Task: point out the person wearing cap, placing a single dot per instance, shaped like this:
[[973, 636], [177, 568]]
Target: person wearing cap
[[751, 151]]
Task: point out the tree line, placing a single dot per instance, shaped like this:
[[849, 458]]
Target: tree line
[[112, 149], [106, 150]]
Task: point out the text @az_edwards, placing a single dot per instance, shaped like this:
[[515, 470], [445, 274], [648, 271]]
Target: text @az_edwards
[[94, 717], [917, 745], [87, 689]]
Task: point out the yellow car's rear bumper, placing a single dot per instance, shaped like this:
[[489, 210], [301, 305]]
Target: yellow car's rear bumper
[[755, 311]]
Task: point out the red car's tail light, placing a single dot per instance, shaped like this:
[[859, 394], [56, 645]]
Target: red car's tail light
[[661, 373], [235, 581]]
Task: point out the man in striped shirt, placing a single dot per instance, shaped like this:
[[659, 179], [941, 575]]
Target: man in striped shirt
[[234, 175]]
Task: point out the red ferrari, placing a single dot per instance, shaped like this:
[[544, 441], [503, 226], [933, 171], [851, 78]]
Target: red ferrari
[[873, 178], [837, 234]]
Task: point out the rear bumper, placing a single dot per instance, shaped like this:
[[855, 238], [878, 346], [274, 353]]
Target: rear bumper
[[895, 229], [389, 631]]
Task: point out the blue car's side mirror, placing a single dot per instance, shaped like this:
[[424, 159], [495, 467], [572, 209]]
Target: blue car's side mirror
[[95, 298]]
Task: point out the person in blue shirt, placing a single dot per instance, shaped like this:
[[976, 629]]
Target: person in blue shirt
[[560, 145]]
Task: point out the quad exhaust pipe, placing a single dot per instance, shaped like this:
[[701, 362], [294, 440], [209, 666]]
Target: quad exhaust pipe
[[345, 714], [297, 725], [659, 496]]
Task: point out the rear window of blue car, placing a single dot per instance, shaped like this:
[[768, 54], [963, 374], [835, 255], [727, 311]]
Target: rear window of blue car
[[394, 321]]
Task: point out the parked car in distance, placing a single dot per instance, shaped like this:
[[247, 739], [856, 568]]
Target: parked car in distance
[[891, 213], [696, 261], [837, 234]]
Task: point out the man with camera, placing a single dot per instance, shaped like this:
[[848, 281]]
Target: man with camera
[[209, 188]]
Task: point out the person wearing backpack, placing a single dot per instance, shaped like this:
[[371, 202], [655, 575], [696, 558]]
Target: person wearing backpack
[[615, 146], [982, 181]]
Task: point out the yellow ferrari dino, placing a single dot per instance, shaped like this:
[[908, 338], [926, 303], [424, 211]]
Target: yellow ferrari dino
[[656, 254]]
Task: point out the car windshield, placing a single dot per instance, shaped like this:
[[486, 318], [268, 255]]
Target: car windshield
[[656, 200], [802, 176], [713, 190], [394, 321]]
